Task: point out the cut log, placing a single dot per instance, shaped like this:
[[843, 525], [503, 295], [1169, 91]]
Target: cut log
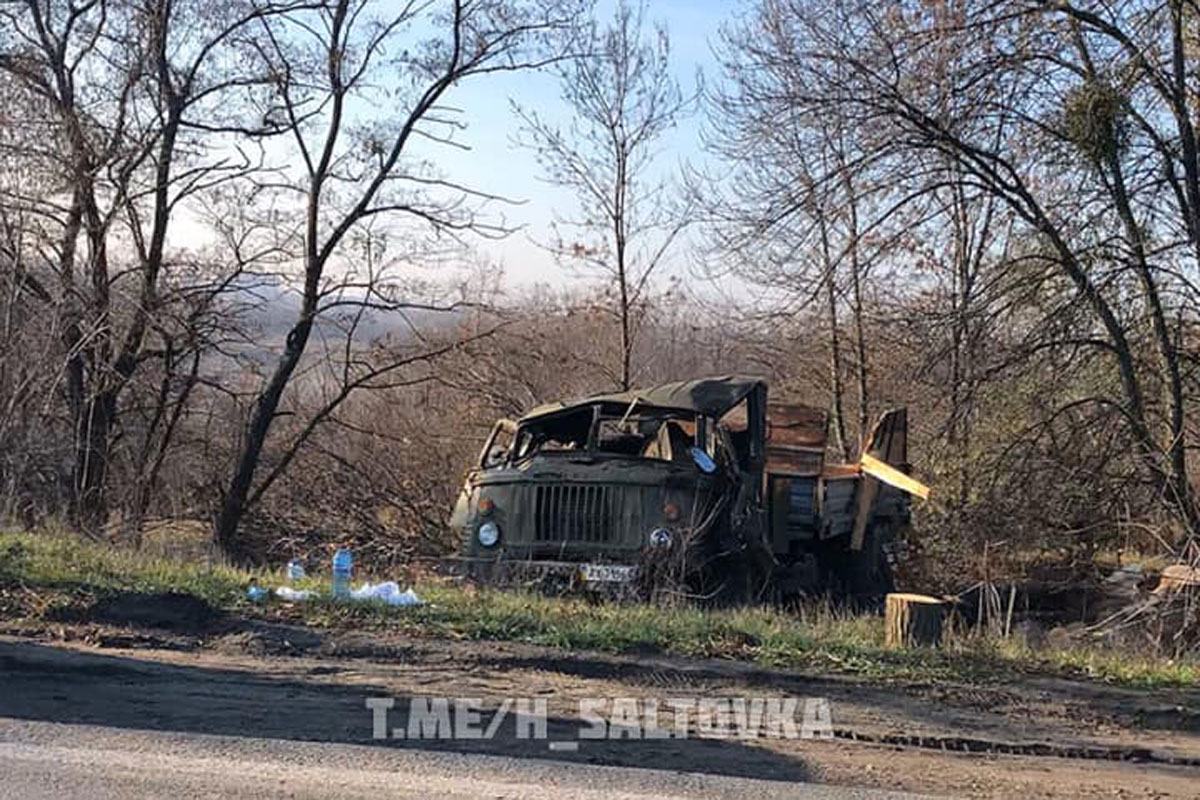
[[914, 620]]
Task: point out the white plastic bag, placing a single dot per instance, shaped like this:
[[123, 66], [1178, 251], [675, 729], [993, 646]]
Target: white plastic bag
[[288, 593], [389, 592]]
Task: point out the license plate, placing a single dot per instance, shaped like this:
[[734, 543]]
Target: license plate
[[606, 573]]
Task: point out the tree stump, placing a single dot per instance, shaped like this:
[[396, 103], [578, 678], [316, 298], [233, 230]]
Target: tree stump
[[913, 620]]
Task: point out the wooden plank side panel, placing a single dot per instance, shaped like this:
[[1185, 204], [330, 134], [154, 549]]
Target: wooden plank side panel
[[803, 520], [892, 503], [794, 513], [889, 444], [779, 491], [785, 460], [890, 475], [839, 508]]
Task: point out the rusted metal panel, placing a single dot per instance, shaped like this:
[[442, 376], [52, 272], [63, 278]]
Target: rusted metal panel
[[796, 437], [841, 471], [796, 425]]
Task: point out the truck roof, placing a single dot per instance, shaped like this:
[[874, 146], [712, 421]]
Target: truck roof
[[711, 397]]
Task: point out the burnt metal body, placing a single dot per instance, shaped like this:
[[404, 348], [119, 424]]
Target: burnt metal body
[[703, 482]]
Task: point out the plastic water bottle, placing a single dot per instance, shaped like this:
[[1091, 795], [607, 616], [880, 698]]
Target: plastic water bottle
[[343, 563], [295, 571]]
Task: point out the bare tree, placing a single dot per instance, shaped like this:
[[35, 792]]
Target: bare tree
[[125, 93], [1068, 117], [338, 67], [796, 211], [623, 98]]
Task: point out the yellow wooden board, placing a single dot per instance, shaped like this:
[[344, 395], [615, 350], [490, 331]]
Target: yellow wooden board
[[893, 477]]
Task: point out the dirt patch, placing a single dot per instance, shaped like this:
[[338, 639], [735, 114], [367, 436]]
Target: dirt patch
[[171, 611], [266, 638]]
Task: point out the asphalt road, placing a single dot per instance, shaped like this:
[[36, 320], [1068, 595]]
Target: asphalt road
[[55, 761]]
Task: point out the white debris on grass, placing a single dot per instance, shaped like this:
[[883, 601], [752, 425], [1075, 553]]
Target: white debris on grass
[[388, 592], [288, 593]]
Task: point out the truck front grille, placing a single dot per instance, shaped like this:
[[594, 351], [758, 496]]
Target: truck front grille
[[573, 513]]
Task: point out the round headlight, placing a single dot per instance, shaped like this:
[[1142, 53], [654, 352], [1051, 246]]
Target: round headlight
[[660, 538], [488, 534]]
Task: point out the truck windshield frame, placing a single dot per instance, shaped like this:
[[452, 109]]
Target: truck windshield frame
[[647, 434]]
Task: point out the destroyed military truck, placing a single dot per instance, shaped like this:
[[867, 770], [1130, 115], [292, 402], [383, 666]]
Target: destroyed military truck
[[701, 487]]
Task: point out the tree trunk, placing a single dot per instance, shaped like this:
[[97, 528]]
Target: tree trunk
[[860, 334], [837, 400], [1179, 483], [1110, 168], [620, 235], [860, 346], [913, 620], [233, 505], [91, 462], [149, 464]]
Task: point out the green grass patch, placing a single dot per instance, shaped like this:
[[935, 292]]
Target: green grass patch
[[43, 572], [60, 562]]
